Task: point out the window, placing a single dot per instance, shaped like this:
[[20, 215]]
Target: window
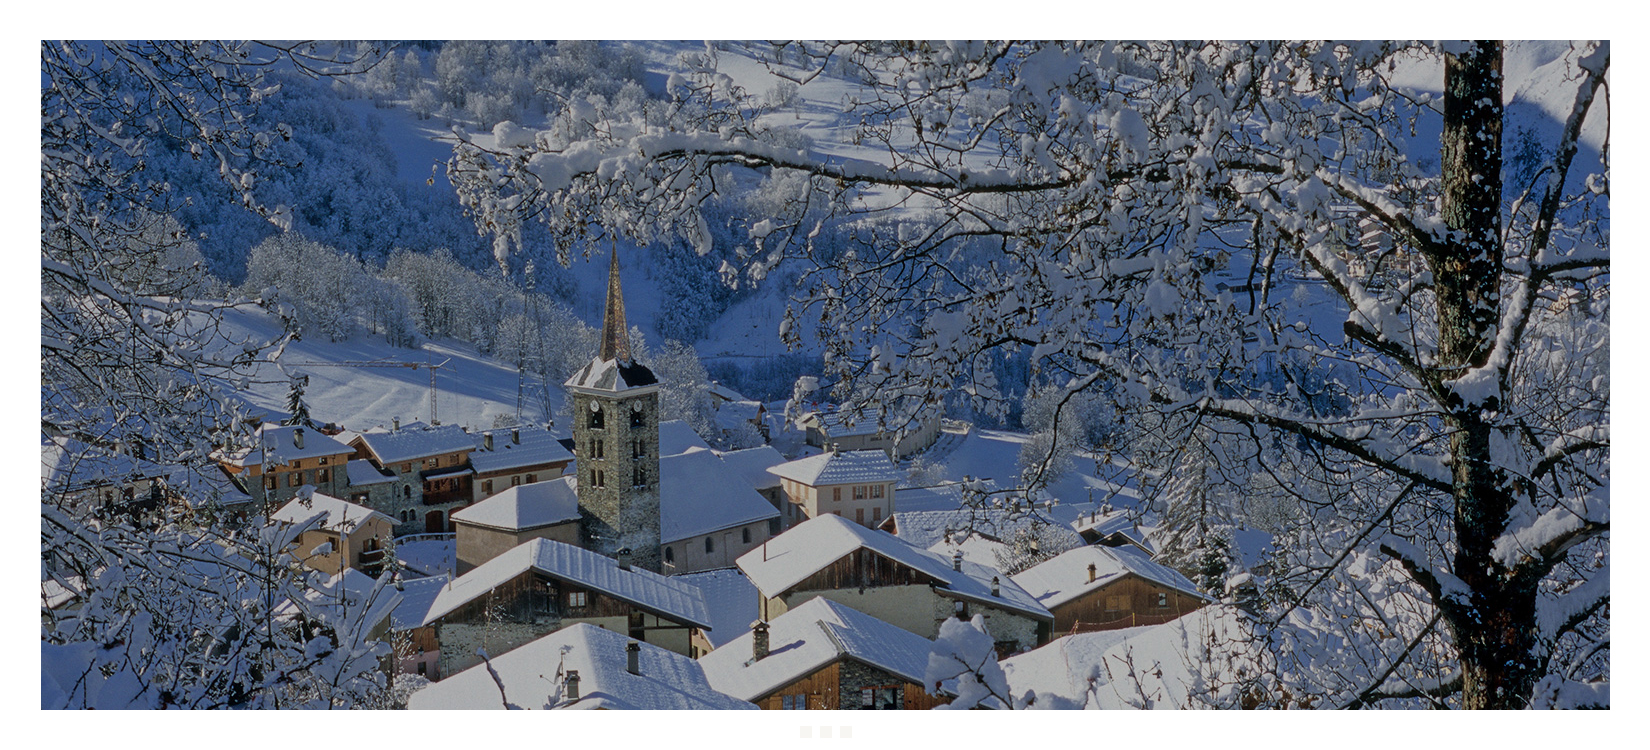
[[876, 514], [859, 516], [406, 491], [859, 492], [433, 463], [601, 479], [292, 480], [638, 477], [882, 697], [324, 475], [638, 449], [670, 554], [1162, 600], [836, 494], [422, 667], [745, 535], [486, 486], [452, 458], [710, 545], [515, 481], [531, 478], [323, 461], [575, 599], [596, 449], [406, 468], [786, 703], [596, 420], [876, 492], [637, 418], [269, 482]]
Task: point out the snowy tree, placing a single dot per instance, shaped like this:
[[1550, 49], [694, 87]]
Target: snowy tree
[[1106, 183], [296, 407], [170, 613], [965, 652], [1031, 545]]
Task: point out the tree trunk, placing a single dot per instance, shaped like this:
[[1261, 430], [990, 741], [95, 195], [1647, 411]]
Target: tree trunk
[[1495, 628]]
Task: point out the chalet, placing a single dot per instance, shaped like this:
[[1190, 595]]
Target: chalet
[[1107, 588], [580, 667], [823, 655], [283, 458], [78, 474], [416, 649], [543, 586], [498, 524], [878, 574], [515, 456], [753, 465], [355, 536], [853, 431], [708, 514], [1113, 528], [856, 485], [432, 466]]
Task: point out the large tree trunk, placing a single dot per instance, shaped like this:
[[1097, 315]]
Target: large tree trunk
[[1495, 628]]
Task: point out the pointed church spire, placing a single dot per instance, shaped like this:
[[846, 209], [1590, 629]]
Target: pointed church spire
[[615, 334]]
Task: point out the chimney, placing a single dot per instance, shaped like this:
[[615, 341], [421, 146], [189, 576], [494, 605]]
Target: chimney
[[624, 558], [759, 640], [1091, 572], [298, 438], [633, 657], [515, 436], [572, 692], [487, 441], [395, 424], [956, 560], [995, 590]]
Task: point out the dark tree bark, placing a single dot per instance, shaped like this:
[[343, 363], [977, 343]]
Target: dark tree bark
[[1494, 628]]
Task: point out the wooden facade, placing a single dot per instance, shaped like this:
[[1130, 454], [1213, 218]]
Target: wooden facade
[[842, 685], [535, 597], [863, 569], [1128, 602]]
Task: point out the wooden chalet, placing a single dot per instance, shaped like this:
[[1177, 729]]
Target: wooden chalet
[[1108, 588]]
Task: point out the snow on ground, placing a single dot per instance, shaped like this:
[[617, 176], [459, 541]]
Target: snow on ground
[[995, 455]]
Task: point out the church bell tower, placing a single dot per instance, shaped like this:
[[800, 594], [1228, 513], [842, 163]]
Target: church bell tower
[[616, 440]]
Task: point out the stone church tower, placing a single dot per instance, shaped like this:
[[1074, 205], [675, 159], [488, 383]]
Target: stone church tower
[[616, 439]]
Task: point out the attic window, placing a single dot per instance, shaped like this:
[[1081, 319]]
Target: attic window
[[323, 460]]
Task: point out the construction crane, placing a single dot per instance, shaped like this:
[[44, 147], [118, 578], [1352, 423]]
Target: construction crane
[[387, 363]]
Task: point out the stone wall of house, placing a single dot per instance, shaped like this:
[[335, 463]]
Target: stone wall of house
[[1001, 624], [478, 544], [459, 641]]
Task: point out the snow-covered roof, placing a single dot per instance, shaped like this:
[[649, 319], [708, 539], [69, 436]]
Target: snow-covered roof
[[206, 487], [612, 375], [753, 465], [417, 441], [68, 465], [698, 495], [976, 548], [1104, 524], [810, 637], [532, 677], [725, 393], [528, 506], [844, 467], [349, 596], [417, 596], [731, 599], [671, 599], [1058, 673], [675, 436], [1065, 576], [739, 411], [791, 557], [928, 527], [342, 516], [535, 447], [834, 423], [279, 445], [362, 473]]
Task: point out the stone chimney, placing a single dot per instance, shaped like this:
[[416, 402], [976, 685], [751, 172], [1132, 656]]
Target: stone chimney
[[956, 560], [515, 436], [298, 438], [1091, 572], [759, 640], [487, 441], [624, 559], [395, 424], [996, 589], [572, 691], [633, 657]]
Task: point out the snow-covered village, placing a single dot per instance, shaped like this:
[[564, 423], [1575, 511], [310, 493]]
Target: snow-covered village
[[875, 375]]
